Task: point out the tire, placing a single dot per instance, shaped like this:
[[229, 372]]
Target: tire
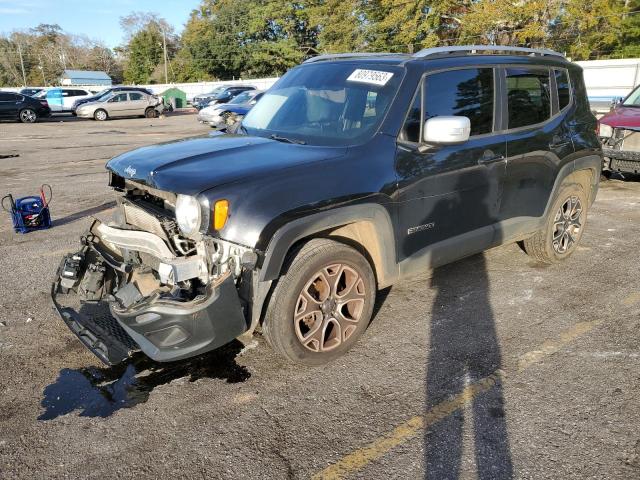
[[150, 113], [563, 227], [100, 115], [27, 115], [341, 284]]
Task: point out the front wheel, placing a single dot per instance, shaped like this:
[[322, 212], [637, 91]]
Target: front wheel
[[100, 115], [28, 115], [322, 304], [563, 228]]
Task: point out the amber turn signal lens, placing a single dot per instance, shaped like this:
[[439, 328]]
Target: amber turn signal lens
[[220, 214]]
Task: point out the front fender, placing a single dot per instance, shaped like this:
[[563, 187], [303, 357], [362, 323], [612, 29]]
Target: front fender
[[377, 239]]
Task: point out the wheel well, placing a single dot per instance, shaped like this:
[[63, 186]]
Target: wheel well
[[582, 177], [362, 236]]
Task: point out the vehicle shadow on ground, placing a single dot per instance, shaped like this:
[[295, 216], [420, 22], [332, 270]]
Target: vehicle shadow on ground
[[100, 392]]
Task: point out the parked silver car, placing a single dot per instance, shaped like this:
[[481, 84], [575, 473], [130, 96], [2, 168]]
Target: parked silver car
[[121, 104]]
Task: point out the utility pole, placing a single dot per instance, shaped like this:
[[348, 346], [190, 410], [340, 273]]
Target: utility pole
[[24, 77], [164, 47]]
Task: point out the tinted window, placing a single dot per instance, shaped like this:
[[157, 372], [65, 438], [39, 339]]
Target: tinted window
[[411, 130], [562, 82], [121, 97], [528, 96], [467, 93], [133, 96], [8, 97]]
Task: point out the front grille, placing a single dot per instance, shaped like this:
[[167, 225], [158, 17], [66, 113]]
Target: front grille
[[101, 317], [625, 165]]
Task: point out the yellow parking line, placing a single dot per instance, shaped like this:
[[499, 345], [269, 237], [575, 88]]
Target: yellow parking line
[[632, 299], [552, 346], [404, 432]]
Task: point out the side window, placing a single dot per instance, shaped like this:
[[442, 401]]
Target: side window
[[411, 129], [121, 97], [134, 96], [528, 96], [467, 93], [564, 92], [8, 97]]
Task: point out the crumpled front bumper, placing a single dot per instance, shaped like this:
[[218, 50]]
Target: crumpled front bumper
[[163, 329]]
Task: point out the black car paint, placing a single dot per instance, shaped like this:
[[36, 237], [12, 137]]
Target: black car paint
[[427, 205], [290, 181], [14, 103]]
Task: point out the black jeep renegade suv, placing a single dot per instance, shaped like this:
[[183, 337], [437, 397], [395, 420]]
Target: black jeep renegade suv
[[351, 173]]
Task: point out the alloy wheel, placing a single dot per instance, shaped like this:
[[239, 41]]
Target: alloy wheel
[[28, 116], [567, 225], [329, 307]]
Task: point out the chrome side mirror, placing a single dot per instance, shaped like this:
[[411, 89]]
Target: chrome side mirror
[[447, 130]]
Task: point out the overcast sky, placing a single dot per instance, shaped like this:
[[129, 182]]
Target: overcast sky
[[98, 19]]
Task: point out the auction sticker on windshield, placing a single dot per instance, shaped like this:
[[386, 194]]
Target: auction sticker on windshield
[[374, 77]]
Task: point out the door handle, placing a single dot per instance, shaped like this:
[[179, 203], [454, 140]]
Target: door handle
[[489, 157]]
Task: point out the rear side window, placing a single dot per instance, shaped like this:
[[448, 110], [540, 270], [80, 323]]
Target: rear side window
[[467, 93], [133, 96], [564, 92], [8, 97], [528, 96]]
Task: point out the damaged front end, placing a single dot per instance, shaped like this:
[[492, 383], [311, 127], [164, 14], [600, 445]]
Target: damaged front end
[[139, 284]]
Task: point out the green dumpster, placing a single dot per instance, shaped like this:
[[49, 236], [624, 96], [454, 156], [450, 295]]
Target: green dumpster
[[175, 97]]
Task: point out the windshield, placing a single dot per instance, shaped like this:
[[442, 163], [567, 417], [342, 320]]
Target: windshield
[[633, 100], [326, 104], [242, 98]]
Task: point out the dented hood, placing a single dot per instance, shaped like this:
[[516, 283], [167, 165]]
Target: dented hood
[[194, 165]]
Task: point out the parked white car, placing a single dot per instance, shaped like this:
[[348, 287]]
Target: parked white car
[[61, 99]]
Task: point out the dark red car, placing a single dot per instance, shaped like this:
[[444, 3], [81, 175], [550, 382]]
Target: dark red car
[[619, 131]]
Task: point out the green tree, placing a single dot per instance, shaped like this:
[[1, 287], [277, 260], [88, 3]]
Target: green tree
[[144, 48], [589, 29], [340, 25]]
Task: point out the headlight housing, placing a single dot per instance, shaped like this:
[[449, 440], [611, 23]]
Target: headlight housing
[[606, 130], [188, 214]]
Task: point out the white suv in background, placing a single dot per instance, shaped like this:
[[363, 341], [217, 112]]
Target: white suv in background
[[61, 99]]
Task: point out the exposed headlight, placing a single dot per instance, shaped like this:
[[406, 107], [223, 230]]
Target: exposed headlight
[[188, 214], [606, 130]]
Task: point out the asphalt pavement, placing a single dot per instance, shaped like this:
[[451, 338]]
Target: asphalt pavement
[[491, 367]]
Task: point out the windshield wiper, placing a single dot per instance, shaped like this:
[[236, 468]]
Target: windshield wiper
[[286, 140]]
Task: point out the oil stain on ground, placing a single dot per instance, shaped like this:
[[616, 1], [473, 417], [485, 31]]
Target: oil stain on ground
[[99, 392]]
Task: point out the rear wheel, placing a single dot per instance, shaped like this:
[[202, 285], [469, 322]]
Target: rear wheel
[[150, 113], [100, 115], [322, 304], [563, 227], [27, 115]]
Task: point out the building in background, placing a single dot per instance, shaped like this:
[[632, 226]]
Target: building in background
[[85, 77]]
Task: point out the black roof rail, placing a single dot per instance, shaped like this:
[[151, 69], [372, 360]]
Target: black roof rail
[[427, 52]]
